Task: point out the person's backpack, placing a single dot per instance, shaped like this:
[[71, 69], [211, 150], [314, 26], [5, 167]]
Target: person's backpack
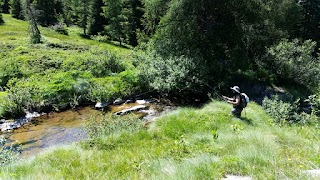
[[244, 100]]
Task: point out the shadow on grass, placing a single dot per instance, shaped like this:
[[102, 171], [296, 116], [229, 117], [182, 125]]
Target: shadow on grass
[[246, 120]]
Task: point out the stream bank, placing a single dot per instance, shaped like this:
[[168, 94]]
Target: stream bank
[[60, 128]]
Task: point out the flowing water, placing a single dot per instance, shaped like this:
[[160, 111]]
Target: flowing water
[[57, 128]]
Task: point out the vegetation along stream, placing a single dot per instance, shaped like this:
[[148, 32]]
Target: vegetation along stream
[[58, 128]]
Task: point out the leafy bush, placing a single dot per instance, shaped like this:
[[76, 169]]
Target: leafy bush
[[8, 153], [295, 61], [171, 74], [59, 89], [109, 88], [99, 63], [315, 102], [59, 28], [284, 112], [9, 69]]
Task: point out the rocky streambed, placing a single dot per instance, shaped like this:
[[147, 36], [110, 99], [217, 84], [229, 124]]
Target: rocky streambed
[[37, 131]]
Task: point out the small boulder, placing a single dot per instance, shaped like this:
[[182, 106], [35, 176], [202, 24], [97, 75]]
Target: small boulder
[[100, 105], [132, 109]]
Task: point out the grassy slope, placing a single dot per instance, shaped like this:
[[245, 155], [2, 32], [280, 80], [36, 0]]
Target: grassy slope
[[181, 145], [57, 63], [15, 33]]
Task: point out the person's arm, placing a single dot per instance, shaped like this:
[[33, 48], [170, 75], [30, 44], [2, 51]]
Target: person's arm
[[236, 102], [227, 98]]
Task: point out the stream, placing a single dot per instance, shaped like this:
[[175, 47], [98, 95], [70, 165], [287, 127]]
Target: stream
[[62, 128]]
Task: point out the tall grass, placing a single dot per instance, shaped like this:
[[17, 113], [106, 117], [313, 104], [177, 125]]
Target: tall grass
[[205, 143]]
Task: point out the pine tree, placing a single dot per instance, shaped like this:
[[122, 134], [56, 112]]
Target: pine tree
[[1, 20], [135, 14], [5, 6], [96, 21], [113, 11], [310, 27], [16, 9], [35, 36], [82, 13], [46, 12]]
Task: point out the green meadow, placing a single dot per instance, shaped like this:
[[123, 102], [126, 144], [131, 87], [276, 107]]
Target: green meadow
[[189, 143]]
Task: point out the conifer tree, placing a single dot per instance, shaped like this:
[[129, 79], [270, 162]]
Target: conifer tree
[[96, 21], [1, 20], [16, 9], [310, 27], [113, 10], [5, 7], [82, 13], [46, 13], [35, 36]]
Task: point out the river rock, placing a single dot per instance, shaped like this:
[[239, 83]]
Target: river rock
[[314, 173], [118, 102], [132, 109], [101, 105], [141, 101], [130, 101]]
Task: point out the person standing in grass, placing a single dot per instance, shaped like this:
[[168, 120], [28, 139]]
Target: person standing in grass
[[235, 101]]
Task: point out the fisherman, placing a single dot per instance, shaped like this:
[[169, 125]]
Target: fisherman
[[235, 101]]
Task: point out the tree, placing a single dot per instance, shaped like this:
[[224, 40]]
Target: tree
[[96, 20], [116, 21], [154, 10], [228, 36], [135, 14], [82, 13], [35, 36], [310, 27], [1, 20], [46, 12], [16, 9], [5, 6]]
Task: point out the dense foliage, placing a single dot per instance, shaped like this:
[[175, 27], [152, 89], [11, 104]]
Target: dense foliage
[[8, 153], [1, 20]]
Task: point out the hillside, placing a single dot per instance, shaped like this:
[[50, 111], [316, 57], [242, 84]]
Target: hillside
[[62, 71], [206, 143]]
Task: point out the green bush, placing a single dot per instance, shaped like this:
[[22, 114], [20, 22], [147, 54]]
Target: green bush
[[110, 88], [59, 28], [284, 112], [9, 69], [99, 63], [8, 153], [1, 20], [295, 61], [59, 89], [171, 74], [315, 102]]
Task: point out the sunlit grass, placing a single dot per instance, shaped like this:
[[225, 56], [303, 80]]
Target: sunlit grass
[[15, 33], [182, 145]]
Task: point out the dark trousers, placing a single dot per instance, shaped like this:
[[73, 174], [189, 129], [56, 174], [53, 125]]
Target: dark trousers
[[236, 112]]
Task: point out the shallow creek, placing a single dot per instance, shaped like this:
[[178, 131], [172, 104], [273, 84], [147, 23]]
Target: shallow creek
[[58, 128]]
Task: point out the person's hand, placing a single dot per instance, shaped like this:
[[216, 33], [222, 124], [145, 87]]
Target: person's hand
[[225, 97]]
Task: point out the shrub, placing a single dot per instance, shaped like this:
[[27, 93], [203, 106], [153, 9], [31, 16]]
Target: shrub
[[1, 20], [59, 28], [99, 63], [59, 89], [284, 112], [109, 88], [295, 61], [171, 74], [9, 69], [8, 153]]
